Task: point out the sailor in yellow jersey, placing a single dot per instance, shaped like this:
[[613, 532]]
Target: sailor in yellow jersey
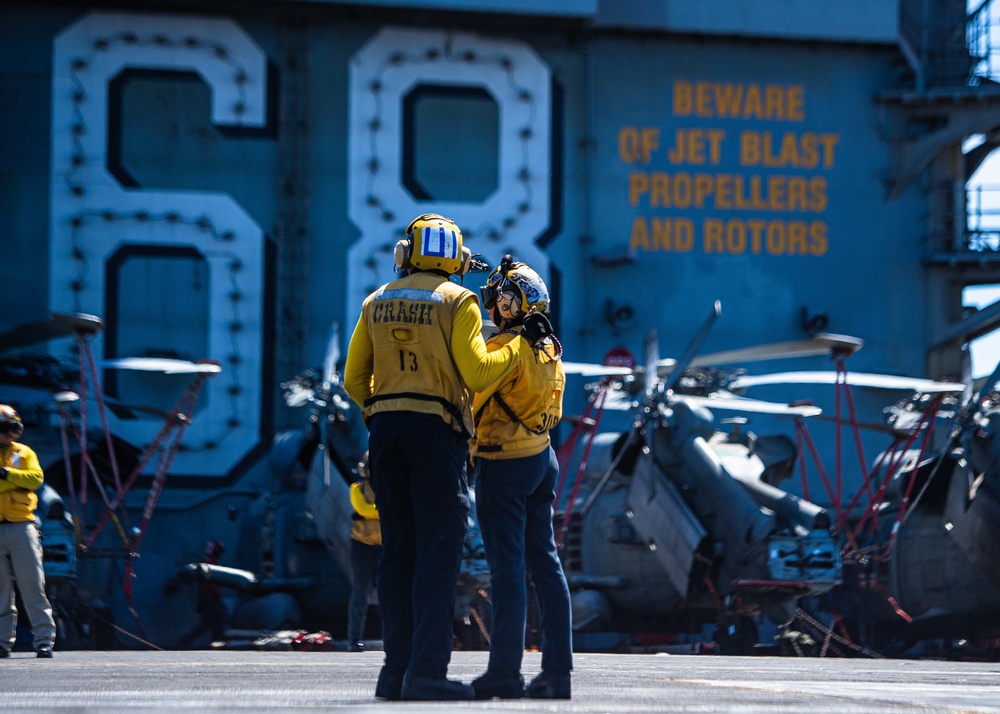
[[414, 360], [516, 471], [366, 552], [20, 549]]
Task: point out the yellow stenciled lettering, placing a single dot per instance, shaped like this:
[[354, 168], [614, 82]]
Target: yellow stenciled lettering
[[640, 234], [659, 194], [797, 194], [776, 196], [638, 185], [788, 154], [682, 190], [712, 238], [703, 99], [665, 235], [805, 151], [797, 237], [696, 146], [809, 155], [635, 144], [683, 234], [704, 186], [818, 241], [628, 144], [728, 98], [731, 100], [796, 103], [673, 235], [818, 200], [675, 154], [661, 234], [682, 98], [829, 141], [724, 191], [756, 227], [775, 238], [749, 148], [774, 101], [736, 237], [753, 107], [649, 143]]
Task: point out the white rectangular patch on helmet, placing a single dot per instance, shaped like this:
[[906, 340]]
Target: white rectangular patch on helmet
[[439, 242]]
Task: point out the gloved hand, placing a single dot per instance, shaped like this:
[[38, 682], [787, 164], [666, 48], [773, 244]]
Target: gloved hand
[[536, 327]]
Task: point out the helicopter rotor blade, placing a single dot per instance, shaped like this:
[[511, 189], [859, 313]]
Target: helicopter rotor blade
[[822, 344], [686, 360], [131, 412], [59, 325], [757, 406], [595, 370], [652, 355], [332, 354], [162, 364], [854, 379]]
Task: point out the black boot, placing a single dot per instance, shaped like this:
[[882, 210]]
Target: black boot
[[389, 686], [428, 689], [549, 686], [499, 684]]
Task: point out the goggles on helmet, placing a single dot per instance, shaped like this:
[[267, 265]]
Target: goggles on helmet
[[10, 421], [527, 291], [495, 282]]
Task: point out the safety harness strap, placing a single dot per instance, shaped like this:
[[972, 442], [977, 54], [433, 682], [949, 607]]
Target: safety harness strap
[[454, 411], [514, 417]]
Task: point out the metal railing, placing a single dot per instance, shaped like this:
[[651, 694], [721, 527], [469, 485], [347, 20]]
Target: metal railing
[[982, 232], [949, 44], [965, 233]]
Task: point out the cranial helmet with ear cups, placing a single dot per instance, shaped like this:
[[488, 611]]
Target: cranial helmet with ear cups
[[528, 290], [8, 415], [433, 242]]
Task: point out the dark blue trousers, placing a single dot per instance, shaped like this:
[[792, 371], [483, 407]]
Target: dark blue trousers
[[514, 502], [418, 466], [364, 566]]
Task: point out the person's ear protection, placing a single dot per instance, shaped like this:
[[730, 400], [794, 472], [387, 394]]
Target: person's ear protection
[[495, 282], [433, 242], [401, 254]]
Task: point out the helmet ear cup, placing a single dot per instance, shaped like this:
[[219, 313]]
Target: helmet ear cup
[[508, 303], [401, 253], [466, 261]]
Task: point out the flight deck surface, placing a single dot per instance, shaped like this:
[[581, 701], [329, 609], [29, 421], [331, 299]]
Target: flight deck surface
[[216, 681]]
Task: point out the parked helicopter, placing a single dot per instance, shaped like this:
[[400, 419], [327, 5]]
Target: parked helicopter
[[919, 536], [673, 525]]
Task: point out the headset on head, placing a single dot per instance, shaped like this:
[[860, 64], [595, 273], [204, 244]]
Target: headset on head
[[488, 294], [403, 252]]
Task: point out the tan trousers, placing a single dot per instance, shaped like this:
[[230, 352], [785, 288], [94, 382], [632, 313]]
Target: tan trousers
[[21, 558]]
